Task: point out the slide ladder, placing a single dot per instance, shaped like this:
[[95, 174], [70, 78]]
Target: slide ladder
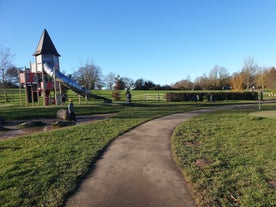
[[72, 84]]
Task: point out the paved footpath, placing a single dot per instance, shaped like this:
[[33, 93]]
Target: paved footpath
[[137, 169]]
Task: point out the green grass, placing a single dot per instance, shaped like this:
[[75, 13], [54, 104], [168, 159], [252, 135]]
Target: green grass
[[240, 154], [137, 96], [44, 169], [267, 113], [12, 112]]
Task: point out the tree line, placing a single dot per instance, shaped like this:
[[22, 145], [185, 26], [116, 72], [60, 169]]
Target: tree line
[[89, 75], [251, 77]]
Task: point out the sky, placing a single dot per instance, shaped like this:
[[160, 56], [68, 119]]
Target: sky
[[163, 41]]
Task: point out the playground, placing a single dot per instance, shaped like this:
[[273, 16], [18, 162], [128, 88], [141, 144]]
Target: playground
[[44, 79]]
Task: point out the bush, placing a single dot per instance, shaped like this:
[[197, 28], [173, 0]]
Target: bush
[[207, 96]]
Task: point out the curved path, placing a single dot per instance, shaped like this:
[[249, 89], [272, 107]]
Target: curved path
[[137, 169]]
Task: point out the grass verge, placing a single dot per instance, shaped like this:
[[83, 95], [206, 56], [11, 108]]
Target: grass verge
[[229, 158]]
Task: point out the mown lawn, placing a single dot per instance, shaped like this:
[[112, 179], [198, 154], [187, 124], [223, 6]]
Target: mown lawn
[[229, 157], [43, 169]]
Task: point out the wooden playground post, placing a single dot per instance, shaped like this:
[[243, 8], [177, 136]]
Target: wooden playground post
[[55, 86], [32, 94], [36, 79], [26, 92], [43, 86], [20, 93]]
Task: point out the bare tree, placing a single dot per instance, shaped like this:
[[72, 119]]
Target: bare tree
[[110, 80], [185, 84], [224, 78], [129, 83], [270, 77], [213, 77], [89, 76], [5, 63], [218, 77], [202, 83], [260, 78], [249, 71]]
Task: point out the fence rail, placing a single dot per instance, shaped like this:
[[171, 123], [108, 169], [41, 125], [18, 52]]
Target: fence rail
[[154, 97]]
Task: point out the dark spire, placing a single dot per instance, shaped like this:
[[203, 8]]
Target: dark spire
[[45, 45]]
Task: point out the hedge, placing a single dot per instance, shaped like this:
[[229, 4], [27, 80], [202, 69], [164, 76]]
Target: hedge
[[207, 96]]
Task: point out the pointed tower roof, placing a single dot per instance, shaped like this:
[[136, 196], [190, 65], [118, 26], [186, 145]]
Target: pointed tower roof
[[45, 45]]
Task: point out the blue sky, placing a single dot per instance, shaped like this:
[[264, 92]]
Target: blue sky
[[159, 40]]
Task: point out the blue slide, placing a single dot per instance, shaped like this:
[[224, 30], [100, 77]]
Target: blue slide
[[72, 84]]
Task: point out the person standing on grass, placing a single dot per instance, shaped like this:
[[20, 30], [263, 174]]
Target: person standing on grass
[[71, 110], [128, 96]]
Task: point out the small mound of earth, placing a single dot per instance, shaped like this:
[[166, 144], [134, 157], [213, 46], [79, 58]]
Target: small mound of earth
[[30, 124], [202, 163]]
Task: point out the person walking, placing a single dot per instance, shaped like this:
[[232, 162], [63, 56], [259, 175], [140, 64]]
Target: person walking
[[71, 110]]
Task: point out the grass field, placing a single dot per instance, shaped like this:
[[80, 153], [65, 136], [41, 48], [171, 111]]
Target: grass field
[[229, 157], [267, 113], [239, 149], [137, 96], [43, 169]]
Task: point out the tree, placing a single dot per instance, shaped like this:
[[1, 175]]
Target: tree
[[260, 79], [139, 84], [249, 71], [237, 81], [128, 82], [202, 83], [119, 85], [12, 76], [5, 63], [213, 78], [218, 77], [183, 85], [149, 85], [270, 78], [110, 80], [88, 76]]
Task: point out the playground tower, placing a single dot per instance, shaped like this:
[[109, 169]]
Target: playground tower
[[46, 53], [44, 79], [36, 81]]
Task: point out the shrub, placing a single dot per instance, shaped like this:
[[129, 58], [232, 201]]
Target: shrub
[[207, 96]]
